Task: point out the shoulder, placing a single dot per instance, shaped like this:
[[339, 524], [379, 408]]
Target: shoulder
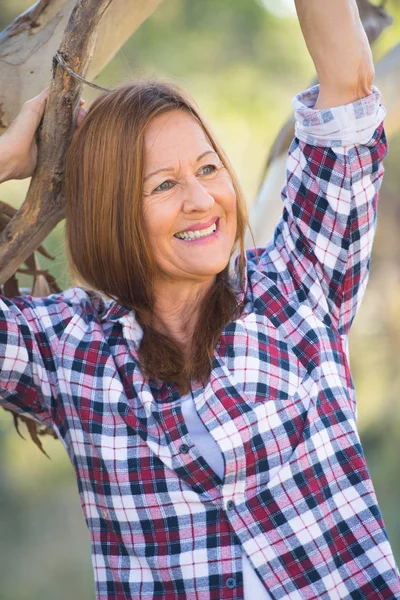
[[55, 311]]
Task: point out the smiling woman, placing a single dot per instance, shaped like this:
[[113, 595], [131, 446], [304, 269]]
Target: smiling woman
[[199, 198], [209, 411], [140, 239]]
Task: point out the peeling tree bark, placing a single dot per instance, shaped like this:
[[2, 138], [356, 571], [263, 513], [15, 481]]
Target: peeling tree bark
[[29, 42], [44, 205], [87, 37]]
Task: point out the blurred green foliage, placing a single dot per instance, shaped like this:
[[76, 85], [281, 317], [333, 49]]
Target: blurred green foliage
[[243, 65]]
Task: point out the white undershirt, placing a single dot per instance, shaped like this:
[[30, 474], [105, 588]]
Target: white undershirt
[[208, 448]]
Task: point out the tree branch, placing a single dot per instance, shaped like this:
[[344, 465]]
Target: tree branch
[[27, 21], [374, 18], [43, 207], [28, 42]]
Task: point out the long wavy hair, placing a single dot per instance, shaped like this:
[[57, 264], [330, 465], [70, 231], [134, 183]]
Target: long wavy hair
[[106, 238]]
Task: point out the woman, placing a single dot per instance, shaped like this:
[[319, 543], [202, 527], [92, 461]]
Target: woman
[[209, 415]]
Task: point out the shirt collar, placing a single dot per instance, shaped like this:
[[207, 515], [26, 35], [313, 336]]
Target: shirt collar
[[117, 313]]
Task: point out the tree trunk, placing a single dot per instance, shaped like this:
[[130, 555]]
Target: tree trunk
[[87, 43], [31, 40], [43, 207]]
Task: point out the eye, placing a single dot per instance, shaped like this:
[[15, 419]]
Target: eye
[[208, 170], [164, 186]]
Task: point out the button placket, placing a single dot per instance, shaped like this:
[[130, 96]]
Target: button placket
[[230, 438], [187, 465]]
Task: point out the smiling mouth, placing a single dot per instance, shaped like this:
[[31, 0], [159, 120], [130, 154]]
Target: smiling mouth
[[195, 235]]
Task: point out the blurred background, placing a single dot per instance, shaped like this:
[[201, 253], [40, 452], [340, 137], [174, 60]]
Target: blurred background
[[243, 61]]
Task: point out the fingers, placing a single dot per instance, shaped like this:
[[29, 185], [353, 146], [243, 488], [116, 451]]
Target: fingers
[[35, 106], [27, 121], [18, 149], [81, 113], [29, 117]]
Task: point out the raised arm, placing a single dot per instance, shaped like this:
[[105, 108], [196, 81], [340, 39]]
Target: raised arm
[[30, 328], [334, 172], [339, 48]]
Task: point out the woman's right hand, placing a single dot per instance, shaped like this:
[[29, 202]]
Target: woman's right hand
[[18, 147]]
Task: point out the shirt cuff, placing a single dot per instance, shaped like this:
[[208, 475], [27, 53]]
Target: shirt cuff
[[345, 125]]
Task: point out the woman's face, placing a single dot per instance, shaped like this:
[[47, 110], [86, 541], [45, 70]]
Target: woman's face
[[189, 200]]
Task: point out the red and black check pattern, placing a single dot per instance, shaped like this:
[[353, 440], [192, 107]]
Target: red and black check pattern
[[296, 495]]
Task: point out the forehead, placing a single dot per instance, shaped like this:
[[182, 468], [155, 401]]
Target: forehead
[[174, 134]]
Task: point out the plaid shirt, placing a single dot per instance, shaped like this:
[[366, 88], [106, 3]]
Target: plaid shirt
[[296, 495]]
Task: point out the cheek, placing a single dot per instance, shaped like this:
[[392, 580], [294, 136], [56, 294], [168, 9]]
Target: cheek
[[229, 204], [223, 193], [158, 218]]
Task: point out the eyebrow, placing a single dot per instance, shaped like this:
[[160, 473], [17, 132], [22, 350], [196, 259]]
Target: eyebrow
[[166, 169]]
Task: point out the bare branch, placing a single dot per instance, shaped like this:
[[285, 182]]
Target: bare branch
[[27, 44], [375, 19], [27, 21], [44, 205]]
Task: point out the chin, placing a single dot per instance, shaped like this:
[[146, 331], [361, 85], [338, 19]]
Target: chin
[[207, 272]]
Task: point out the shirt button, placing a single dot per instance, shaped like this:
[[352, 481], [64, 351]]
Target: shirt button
[[230, 505], [230, 582], [184, 448]]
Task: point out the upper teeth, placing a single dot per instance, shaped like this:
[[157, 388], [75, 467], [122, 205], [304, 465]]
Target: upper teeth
[[192, 235]]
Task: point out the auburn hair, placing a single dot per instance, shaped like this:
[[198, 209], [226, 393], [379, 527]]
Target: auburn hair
[[106, 239]]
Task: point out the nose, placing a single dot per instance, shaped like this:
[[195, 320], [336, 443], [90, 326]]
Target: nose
[[196, 197]]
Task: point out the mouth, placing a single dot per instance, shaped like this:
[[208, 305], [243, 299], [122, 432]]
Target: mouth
[[190, 236]]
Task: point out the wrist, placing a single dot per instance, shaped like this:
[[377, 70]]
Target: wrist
[[5, 161], [10, 165], [5, 175]]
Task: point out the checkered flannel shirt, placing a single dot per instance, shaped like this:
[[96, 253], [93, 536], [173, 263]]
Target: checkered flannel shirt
[[296, 495]]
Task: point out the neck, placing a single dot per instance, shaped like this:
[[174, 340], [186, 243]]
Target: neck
[[177, 307]]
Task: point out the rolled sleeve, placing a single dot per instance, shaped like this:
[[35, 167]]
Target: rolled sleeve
[[333, 176], [346, 125]]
